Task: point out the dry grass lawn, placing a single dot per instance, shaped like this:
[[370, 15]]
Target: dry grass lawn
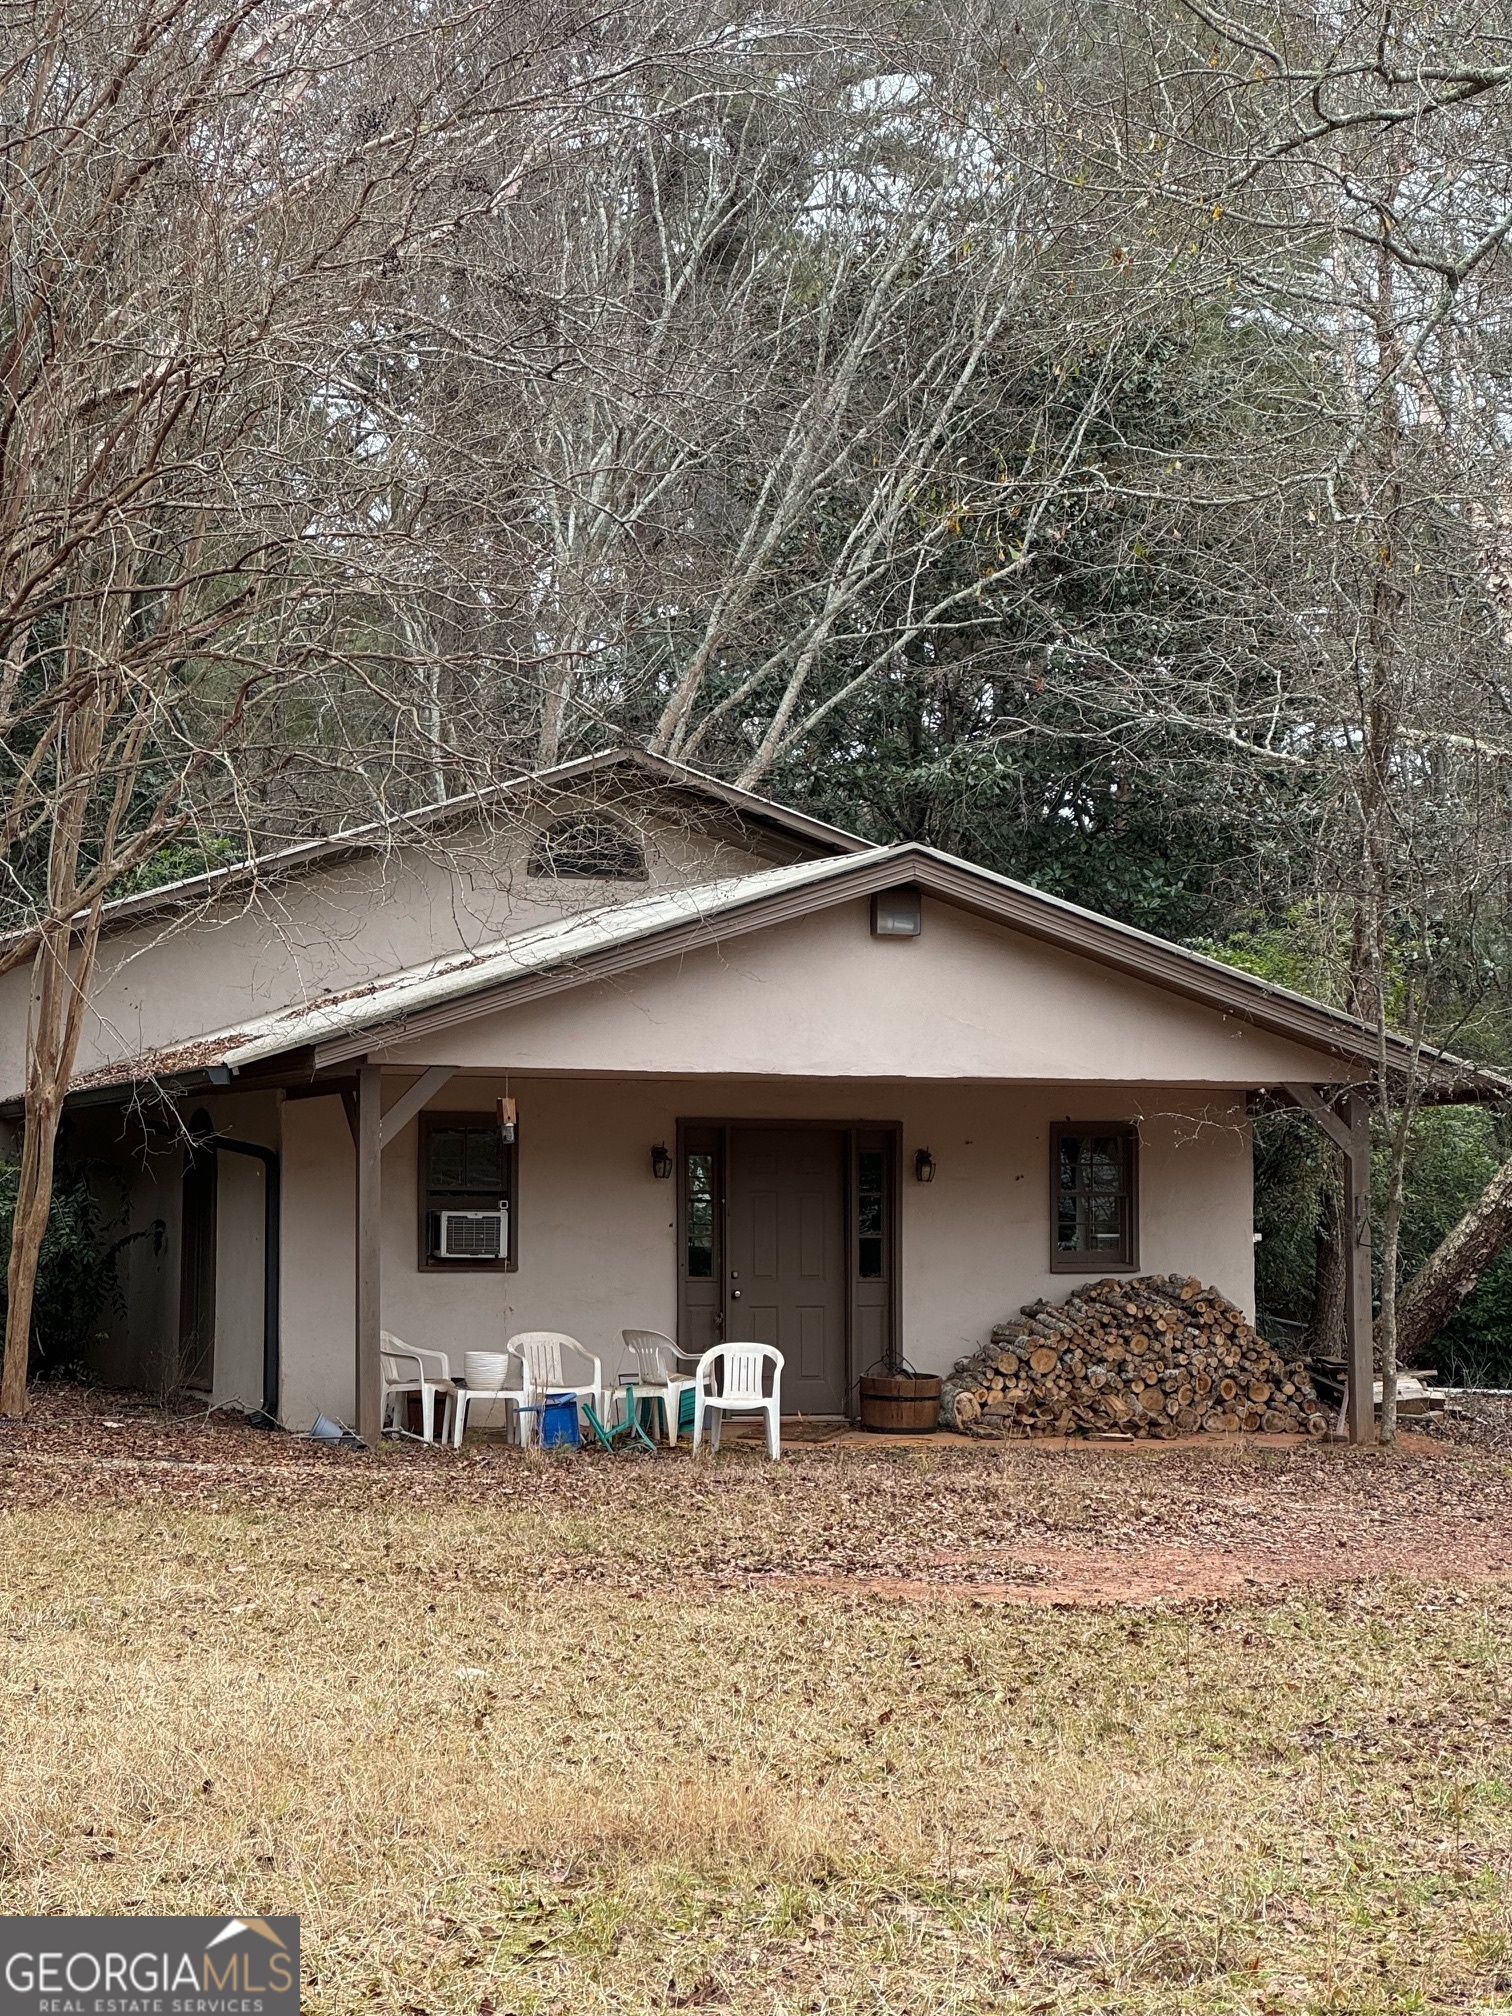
[[525, 1735]]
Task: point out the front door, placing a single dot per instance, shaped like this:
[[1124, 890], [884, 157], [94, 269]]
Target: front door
[[786, 1258]]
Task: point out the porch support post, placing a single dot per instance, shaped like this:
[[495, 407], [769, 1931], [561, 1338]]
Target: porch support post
[[1359, 1326], [369, 1251], [1350, 1128]]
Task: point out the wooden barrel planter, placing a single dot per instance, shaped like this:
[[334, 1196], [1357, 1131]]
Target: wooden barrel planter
[[900, 1403]]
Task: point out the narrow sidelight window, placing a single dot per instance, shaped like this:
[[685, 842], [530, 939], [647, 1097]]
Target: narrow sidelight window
[[700, 1209], [871, 1205], [700, 1235], [1093, 1196]]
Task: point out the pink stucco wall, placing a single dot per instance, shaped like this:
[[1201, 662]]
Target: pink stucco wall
[[821, 998], [596, 1228], [165, 980]]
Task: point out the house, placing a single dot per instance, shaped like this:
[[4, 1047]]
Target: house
[[617, 1044]]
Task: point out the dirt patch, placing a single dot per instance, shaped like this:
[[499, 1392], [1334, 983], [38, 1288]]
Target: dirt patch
[[1165, 1575], [932, 1520]]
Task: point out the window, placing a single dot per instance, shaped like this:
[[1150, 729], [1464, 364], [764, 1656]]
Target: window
[[871, 1206], [586, 847], [1093, 1201], [700, 1216], [467, 1193], [700, 1233]]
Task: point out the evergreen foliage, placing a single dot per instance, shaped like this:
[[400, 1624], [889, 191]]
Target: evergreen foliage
[[78, 1285]]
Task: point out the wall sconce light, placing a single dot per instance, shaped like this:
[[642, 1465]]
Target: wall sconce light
[[661, 1162], [924, 1166]]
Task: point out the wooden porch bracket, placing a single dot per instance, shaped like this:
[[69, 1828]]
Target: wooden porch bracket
[[369, 1252], [1350, 1130], [408, 1104]]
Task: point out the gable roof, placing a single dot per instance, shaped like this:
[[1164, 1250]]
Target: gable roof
[[596, 944], [625, 766]]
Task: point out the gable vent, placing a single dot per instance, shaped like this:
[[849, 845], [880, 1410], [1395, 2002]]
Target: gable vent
[[586, 847]]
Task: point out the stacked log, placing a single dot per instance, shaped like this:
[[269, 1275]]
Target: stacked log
[[1154, 1356]]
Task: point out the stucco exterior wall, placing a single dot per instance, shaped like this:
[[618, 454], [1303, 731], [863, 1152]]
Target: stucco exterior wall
[[821, 998], [597, 1232], [333, 927], [317, 1262], [239, 1245]]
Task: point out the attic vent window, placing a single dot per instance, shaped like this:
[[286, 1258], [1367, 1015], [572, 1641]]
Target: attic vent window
[[585, 847]]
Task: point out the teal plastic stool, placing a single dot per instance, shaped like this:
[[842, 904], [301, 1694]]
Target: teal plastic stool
[[651, 1409]]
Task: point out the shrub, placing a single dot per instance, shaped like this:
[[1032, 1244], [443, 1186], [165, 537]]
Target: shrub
[[77, 1281]]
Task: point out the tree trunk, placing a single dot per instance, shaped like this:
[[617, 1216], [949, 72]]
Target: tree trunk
[[1387, 1351], [58, 1021], [1325, 1326], [1451, 1272], [33, 1204]]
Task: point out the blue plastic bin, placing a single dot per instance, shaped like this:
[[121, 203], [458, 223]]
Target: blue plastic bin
[[559, 1422]]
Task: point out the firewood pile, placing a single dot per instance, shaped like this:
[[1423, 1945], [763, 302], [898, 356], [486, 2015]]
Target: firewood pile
[[1157, 1355]]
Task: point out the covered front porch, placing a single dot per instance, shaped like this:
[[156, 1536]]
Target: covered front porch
[[848, 1222]]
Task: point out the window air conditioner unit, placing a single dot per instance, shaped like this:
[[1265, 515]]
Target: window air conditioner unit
[[474, 1235]]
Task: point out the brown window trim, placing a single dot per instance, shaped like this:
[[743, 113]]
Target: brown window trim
[[430, 1264], [1094, 1263]]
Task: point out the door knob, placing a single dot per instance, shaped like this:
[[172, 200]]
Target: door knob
[[734, 1294]]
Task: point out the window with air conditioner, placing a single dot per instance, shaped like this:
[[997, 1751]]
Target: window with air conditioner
[[467, 1192]]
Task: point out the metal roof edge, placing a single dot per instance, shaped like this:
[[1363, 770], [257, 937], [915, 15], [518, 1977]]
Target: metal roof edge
[[1086, 933], [800, 889], [733, 917], [1163, 962]]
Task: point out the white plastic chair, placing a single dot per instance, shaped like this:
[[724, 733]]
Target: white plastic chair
[[657, 1377], [407, 1369], [489, 1377], [743, 1367], [557, 1363]]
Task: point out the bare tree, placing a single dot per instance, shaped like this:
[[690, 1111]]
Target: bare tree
[[777, 296], [1344, 175], [207, 212]]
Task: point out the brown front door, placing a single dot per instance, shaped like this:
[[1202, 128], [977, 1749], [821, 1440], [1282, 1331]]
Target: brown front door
[[786, 1261]]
